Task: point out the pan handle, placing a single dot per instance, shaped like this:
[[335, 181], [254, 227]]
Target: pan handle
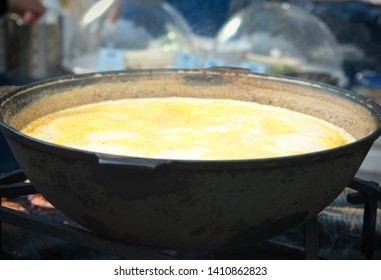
[[134, 163], [5, 89]]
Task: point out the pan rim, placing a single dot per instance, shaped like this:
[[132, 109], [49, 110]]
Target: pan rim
[[366, 103]]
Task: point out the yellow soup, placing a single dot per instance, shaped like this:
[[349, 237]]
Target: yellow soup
[[188, 128]]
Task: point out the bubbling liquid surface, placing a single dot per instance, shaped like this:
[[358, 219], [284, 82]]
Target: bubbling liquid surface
[[188, 128]]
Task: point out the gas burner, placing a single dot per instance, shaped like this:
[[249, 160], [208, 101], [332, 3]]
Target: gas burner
[[60, 231]]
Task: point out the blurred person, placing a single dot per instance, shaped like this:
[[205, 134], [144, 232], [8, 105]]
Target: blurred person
[[30, 10]]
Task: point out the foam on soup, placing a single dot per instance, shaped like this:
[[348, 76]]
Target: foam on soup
[[188, 128]]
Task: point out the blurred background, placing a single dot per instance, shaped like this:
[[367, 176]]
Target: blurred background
[[332, 41]]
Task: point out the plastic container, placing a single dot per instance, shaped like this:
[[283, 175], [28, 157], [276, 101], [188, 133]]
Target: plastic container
[[128, 34], [278, 38]]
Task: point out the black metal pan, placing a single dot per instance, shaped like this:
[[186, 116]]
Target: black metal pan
[[181, 204]]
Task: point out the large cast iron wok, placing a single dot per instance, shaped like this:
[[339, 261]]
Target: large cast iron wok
[[182, 204]]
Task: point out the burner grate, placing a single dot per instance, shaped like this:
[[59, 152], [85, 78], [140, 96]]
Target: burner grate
[[368, 194], [14, 184]]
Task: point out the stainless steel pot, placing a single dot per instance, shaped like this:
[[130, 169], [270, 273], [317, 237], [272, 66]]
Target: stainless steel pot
[[182, 204]]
